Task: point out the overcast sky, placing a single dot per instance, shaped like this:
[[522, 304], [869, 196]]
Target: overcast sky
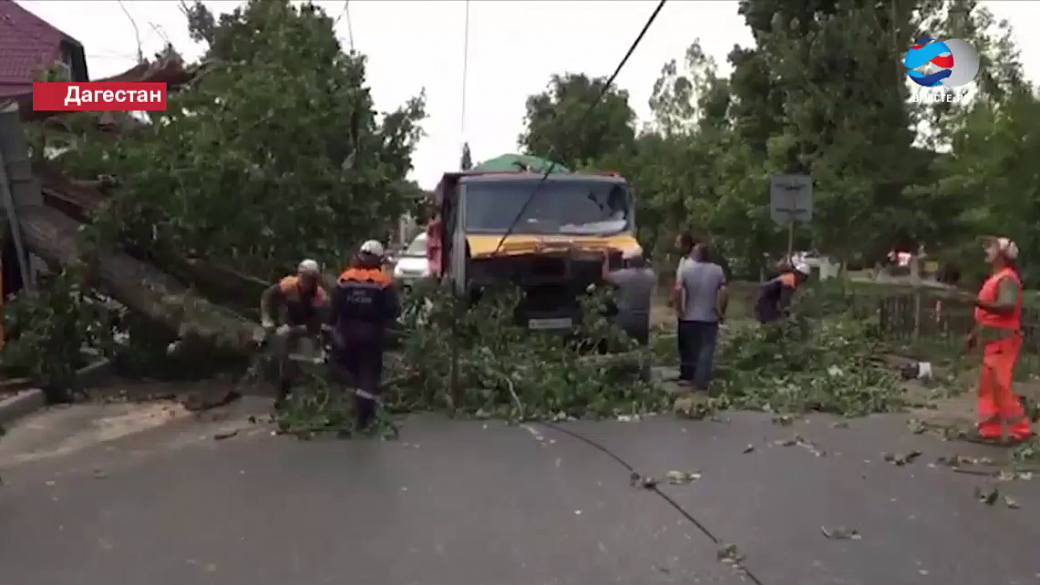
[[514, 47]]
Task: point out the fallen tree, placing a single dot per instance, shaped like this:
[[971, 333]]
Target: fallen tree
[[227, 189], [140, 287]]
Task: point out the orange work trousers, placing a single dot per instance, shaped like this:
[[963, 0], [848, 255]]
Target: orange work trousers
[[996, 404]]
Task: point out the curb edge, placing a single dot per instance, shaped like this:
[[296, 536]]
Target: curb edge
[[21, 404]]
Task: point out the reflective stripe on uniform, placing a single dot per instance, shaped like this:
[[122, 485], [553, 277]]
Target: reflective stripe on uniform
[[363, 284], [989, 335], [367, 276], [290, 288]]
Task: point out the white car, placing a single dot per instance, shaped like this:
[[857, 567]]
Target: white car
[[412, 264]]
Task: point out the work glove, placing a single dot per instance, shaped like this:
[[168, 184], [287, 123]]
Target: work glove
[[267, 324], [328, 337]]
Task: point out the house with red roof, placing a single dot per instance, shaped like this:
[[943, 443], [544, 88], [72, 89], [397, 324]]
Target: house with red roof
[[28, 45]]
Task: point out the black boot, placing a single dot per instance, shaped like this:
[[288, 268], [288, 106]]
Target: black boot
[[284, 389], [366, 413]]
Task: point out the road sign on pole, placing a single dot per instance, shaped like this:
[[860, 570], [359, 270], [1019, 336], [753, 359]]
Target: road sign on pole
[[790, 200]]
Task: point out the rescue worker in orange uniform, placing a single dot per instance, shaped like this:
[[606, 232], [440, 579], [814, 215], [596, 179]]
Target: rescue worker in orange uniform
[[298, 303], [774, 299], [998, 309], [363, 305]]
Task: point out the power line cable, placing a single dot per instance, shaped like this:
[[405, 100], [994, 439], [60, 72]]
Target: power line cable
[[159, 31], [581, 123], [350, 29], [350, 25], [137, 32], [465, 73]]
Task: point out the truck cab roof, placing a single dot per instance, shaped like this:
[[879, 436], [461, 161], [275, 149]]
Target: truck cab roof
[[556, 178], [482, 176]]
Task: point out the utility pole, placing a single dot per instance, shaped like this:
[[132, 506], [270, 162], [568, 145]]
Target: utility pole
[[467, 160]]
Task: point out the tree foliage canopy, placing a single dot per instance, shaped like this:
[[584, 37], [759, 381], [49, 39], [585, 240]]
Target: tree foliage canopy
[[274, 153], [557, 128], [824, 92]]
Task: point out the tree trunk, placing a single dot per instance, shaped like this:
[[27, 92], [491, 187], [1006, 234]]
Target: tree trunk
[[139, 286]]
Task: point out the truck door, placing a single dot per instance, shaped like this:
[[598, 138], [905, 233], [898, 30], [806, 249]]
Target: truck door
[[459, 258]]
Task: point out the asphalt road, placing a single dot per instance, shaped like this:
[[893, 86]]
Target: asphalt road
[[461, 503]]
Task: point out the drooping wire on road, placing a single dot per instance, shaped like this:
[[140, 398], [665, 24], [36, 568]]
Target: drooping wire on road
[[682, 511], [581, 123]]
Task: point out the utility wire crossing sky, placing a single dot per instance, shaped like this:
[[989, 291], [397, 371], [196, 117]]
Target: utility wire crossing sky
[[475, 95]]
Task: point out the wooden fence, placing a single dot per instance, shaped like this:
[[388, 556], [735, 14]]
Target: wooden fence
[[933, 324], [925, 322]]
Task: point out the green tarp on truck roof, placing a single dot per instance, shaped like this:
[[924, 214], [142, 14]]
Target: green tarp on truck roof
[[519, 162]]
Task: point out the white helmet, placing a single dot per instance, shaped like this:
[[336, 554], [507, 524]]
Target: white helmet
[[803, 268], [1007, 247], [372, 247], [309, 267]]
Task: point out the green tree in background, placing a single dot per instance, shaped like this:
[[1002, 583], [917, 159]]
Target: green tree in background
[[824, 92], [553, 126]]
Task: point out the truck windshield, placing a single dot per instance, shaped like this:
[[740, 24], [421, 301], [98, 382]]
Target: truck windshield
[[558, 207]]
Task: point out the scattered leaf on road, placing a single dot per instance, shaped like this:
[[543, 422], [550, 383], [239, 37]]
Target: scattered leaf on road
[[225, 435], [799, 440], [749, 448], [902, 459], [841, 533], [730, 554], [814, 450], [682, 477], [783, 419], [1027, 451], [840, 425], [1011, 503], [916, 427], [987, 496], [959, 460]]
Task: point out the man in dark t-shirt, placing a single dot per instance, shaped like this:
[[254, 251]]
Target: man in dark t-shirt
[[774, 300]]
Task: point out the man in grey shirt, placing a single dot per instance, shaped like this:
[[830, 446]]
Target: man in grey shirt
[[635, 289], [700, 299]]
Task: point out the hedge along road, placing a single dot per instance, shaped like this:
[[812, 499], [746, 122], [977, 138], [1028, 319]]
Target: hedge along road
[[221, 500]]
